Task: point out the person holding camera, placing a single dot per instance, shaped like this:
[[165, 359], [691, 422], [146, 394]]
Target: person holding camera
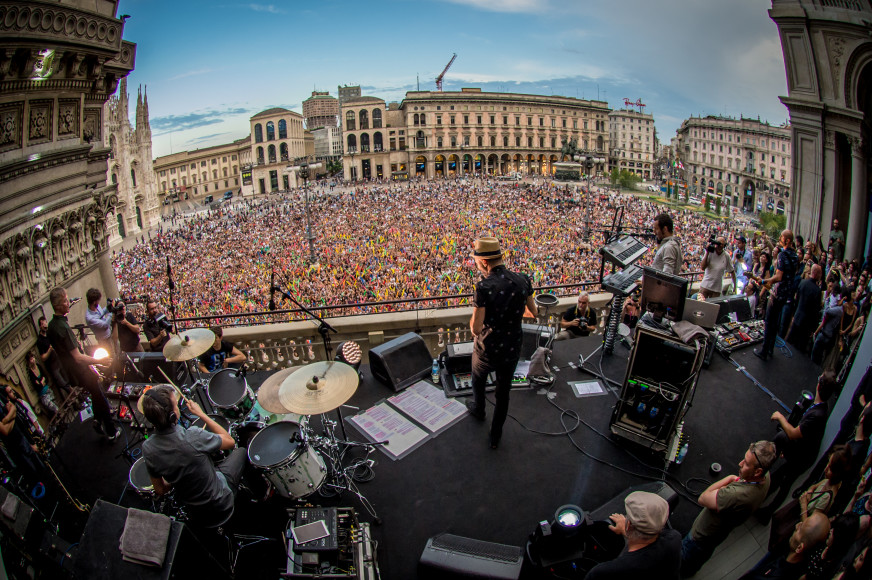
[[127, 327], [99, 319], [578, 320], [715, 264], [157, 328]]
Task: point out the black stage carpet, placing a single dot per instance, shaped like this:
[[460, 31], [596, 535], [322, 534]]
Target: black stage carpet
[[455, 483]]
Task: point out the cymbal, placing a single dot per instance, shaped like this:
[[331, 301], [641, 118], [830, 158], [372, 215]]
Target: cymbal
[[188, 344], [301, 393], [268, 393]]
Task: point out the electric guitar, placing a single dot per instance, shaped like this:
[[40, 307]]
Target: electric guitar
[[759, 280]]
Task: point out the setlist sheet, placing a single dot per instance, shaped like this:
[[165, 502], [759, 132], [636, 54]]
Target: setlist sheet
[[428, 406], [384, 423]]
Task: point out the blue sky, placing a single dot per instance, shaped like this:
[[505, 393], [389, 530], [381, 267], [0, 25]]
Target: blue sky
[[209, 66]]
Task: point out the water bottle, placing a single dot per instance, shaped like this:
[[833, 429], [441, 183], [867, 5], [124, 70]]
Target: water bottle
[[681, 453], [434, 372]]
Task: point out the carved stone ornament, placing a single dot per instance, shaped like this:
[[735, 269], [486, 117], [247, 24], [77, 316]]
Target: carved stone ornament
[[68, 117], [837, 54], [830, 139], [39, 121], [91, 125], [856, 146], [10, 126]]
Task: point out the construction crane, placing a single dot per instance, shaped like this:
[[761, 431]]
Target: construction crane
[[638, 103], [445, 70]]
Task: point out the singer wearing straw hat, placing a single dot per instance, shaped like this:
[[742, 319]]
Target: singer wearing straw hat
[[502, 298]]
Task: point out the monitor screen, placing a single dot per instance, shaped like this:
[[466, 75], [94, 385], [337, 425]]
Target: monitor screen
[[663, 294]]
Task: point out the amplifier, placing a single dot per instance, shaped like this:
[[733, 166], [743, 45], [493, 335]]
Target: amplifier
[[310, 515], [459, 357]]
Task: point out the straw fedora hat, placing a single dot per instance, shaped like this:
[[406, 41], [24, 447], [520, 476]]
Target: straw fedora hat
[[487, 248]]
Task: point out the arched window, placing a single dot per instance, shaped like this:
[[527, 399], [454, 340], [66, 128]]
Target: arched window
[[350, 121], [480, 141], [415, 119], [364, 142], [420, 140], [599, 143], [259, 158], [258, 133], [283, 129], [270, 131], [439, 142], [283, 151], [271, 150], [364, 119], [115, 179], [138, 217], [120, 219], [376, 118], [352, 144], [133, 176], [377, 143]]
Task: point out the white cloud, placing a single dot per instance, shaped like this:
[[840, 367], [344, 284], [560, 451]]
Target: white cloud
[[269, 8], [192, 73], [504, 5]]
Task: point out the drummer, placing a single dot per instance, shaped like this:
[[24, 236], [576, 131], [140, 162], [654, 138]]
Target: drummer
[[221, 354], [180, 459]]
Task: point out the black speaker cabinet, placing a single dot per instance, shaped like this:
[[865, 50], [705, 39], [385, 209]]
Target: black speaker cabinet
[[148, 365], [448, 556], [99, 556], [401, 362]]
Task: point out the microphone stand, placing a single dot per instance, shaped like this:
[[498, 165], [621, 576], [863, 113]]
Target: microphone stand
[[324, 329]]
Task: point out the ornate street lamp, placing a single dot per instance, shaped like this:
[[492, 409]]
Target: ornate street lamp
[[302, 170]]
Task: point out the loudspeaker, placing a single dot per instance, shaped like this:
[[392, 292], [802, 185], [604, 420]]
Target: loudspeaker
[[534, 337], [99, 556], [401, 362], [148, 364], [449, 556]]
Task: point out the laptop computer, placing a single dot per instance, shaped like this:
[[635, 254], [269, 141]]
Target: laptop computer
[[701, 313]]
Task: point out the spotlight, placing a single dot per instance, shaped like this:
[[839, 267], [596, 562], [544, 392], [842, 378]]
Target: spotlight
[[101, 353], [568, 519], [349, 353]]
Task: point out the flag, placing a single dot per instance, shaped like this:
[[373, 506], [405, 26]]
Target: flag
[[680, 165]]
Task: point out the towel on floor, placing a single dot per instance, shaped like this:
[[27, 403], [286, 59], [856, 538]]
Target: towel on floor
[[145, 536], [688, 331]]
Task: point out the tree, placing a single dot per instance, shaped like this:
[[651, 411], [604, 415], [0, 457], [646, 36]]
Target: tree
[[708, 203], [615, 176], [773, 224], [718, 206]]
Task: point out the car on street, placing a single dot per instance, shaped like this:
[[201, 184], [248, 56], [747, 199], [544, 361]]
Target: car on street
[[228, 195], [695, 201], [208, 199]]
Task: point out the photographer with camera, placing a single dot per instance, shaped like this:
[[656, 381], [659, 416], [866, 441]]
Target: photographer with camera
[[578, 320], [715, 263], [157, 328], [127, 328], [99, 319]]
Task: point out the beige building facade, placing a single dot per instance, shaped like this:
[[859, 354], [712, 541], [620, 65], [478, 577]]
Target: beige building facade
[[632, 142], [277, 139], [448, 134], [321, 110], [193, 175], [745, 162]]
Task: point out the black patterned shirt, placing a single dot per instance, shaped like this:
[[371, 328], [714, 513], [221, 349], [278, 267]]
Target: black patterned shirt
[[503, 295]]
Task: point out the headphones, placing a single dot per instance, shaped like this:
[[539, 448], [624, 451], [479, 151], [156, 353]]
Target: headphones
[[171, 417]]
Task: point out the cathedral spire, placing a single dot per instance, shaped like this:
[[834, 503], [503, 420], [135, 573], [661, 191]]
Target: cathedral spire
[[122, 100]]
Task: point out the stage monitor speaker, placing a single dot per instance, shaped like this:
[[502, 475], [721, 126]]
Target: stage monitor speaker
[[401, 362], [148, 364], [449, 556], [532, 340], [99, 556]]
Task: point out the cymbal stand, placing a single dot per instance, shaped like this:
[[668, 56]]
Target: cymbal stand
[[324, 329]]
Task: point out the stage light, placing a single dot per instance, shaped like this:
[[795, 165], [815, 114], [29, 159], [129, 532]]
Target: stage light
[[568, 518], [101, 353], [349, 352]]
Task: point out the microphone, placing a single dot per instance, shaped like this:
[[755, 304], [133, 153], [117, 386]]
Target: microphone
[[172, 284], [272, 292], [74, 300]]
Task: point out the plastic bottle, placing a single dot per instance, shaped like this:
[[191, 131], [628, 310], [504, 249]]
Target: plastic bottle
[[681, 453], [434, 372]]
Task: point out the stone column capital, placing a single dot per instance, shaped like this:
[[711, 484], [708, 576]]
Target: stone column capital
[[856, 144]]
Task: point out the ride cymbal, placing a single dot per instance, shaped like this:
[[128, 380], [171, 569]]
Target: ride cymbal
[[188, 344], [319, 388]]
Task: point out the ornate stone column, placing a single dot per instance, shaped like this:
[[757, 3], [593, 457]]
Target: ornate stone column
[[856, 233], [828, 184]]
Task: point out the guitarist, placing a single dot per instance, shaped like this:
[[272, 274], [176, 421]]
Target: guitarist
[[785, 277]]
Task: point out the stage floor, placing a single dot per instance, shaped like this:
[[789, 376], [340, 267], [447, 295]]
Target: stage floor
[[455, 483]]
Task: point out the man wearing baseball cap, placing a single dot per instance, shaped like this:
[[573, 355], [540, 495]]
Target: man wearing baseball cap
[[502, 298], [651, 552]]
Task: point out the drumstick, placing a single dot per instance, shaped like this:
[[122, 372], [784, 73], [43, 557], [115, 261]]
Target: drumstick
[[181, 394]]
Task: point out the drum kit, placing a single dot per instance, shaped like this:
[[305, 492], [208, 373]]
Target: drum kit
[[293, 459]]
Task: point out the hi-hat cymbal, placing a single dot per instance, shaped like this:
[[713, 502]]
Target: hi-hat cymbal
[[268, 393], [188, 344], [318, 388]]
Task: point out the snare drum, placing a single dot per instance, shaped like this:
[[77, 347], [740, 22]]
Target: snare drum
[[140, 480], [229, 391], [294, 469], [219, 455]]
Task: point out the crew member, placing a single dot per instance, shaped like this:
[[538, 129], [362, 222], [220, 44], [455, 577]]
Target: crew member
[[726, 504], [76, 363], [785, 274], [501, 300], [651, 552], [715, 265], [221, 355], [50, 358], [668, 257], [99, 319], [180, 459], [578, 320], [128, 329], [155, 327]]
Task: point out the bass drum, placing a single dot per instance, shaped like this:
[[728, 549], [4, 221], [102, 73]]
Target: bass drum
[[294, 469]]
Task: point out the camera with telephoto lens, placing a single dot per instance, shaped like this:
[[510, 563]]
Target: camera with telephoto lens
[[115, 306], [710, 245], [163, 323], [582, 321]]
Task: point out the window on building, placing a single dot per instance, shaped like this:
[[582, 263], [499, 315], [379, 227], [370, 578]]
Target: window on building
[[283, 130], [270, 131], [376, 119], [258, 134], [350, 121]]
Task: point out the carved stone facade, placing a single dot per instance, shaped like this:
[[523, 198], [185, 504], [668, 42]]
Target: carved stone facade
[[59, 63], [828, 58], [130, 166]]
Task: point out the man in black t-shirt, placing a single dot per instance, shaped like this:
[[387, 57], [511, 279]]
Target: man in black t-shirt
[[799, 445], [578, 320], [50, 358], [651, 552], [785, 276], [128, 329], [154, 331], [76, 363], [221, 354], [502, 298], [808, 309]]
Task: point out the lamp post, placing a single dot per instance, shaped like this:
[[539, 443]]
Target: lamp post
[[590, 162], [302, 169], [351, 172]]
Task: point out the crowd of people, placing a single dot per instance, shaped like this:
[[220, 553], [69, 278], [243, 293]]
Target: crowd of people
[[383, 242]]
